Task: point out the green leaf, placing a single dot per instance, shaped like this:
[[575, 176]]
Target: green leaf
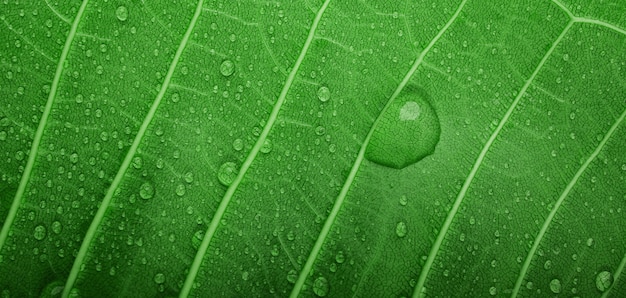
[[320, 148]]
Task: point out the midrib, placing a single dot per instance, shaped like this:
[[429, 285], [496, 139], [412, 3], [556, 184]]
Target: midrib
[[19, 195], [419, 288], [308, 266], [219, 213], [106, 202], [559, 202]]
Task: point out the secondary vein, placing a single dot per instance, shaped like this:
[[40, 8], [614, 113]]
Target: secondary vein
[[359, 160], [106, 202], [19, 195], [219, 213], [559, 202], [419, 289]]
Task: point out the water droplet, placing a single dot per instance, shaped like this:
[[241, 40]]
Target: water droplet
[[493, 291], [604, 280], [323, 94], [267, 146], [180, 190], [340, 257], [292, 276], [159, 278], [589, 242], [407, 132], [227, 173], [320, 130], [74, 158], [121, 13], [401, 229], [238, 144], [245, 275], [555, 286], [197, 239], [403, 200], [188, 177], [56, 227], [227, 68], [40, 232], [53, 289], [146, 191], [320, 286]]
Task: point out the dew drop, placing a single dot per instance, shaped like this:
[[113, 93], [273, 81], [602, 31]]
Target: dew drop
[[40, 232], [406, 132], [555, 286], [320, 286], [292, 276], [323, 94], [493, 291], [146, 191], [404, 200], [401, 229], [121, 13], [238, 144], [604, 280], [159, 278], [227, 173], [56, 227], [180, 190], [267, 146], [227, 68], [53, 289], [197, 239], [340, 257]]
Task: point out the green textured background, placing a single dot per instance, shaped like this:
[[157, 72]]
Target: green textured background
[[524, 195]]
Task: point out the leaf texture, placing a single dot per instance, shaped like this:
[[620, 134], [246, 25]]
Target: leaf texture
[[217, 148]]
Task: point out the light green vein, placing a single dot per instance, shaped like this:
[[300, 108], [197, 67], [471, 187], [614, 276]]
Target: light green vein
[[308, 266], [616, 276], [34, 150], [558, 203], [106, 202], [419, 289], [600, 23], [221, 209]]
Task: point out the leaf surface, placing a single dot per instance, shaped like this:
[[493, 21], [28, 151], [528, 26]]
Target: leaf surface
[[220, 148]]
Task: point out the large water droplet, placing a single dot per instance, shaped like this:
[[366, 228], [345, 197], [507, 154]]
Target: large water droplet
[[227, 173], [121, 13], [159, 278], [320, 286], [604, 280], [408, 130]]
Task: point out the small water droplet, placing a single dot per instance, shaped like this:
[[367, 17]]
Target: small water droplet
[[121, 13], [555, 286], [180, 190], [197, 239], [320, 286], [403, 200], [159, 278], [227, 68], [493, 291], [323, 94], [604, 280], [56, 227], [227, 173], [589, 242], [320, 130], [40, 232], [267, 146], [146, 190], [406, 132], [340, 257], [401, 229], [292, 276], [238, 144], [245, 275]]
